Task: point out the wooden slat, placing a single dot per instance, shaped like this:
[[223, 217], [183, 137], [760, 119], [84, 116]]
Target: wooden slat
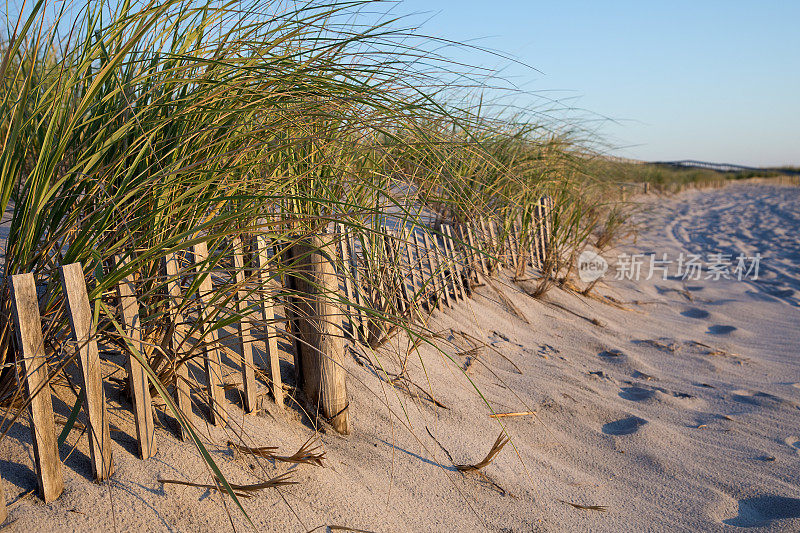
[[487, 241], [137, 377], [420, 264], [397, 241], [481, 241], [497, 246], [209, 337], [413, 265], [3, 509], [450, 257], [30, 351], [547, 205], [433, 263], [83, 330], [268, 317], [442, 263], [394, 264], [244, 325], [521, 263], [477, 257], [512, 251], [534, 241], [172, 266], [494, 244], [344, 256], [541, 231], [467, 260], [461, 261], [357, 285], [444, 292]]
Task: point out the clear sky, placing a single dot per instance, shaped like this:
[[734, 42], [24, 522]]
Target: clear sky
[[716, 81]]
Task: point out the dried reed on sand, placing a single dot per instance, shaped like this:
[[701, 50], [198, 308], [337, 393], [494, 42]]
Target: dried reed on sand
[[501, 441]]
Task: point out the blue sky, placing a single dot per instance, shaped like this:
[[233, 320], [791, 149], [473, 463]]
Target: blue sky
[[716, 81], [710, 80]]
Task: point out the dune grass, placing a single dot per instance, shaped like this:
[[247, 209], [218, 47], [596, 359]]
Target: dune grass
[[144, 128]]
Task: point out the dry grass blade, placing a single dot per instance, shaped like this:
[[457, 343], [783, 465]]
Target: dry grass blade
[[264, 451], [599, 508], [501, 441], [239, 490], [504, 415], [508, 303], [334, 527], [402, 383], [309, 453]]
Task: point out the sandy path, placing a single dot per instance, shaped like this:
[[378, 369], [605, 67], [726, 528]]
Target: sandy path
[[678, 410]]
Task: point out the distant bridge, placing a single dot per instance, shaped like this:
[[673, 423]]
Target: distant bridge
[[723, 167]]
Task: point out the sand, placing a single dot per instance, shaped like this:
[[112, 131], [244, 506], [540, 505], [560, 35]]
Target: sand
[[676, 409]]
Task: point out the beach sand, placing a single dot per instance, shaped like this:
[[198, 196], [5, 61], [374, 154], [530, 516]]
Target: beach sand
[[675, 407]]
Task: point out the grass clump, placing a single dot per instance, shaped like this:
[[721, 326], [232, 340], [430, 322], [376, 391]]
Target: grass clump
[[145, 128]]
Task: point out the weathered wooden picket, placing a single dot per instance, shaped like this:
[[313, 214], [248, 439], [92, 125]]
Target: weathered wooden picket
[[421, 269]]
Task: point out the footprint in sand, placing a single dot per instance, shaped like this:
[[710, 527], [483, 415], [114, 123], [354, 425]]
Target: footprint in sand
[[780, 292], [636, 394], [718, 329], [793, 442], [763, 399], [694, 312], [761, 510], [624, 426], [611, 353]]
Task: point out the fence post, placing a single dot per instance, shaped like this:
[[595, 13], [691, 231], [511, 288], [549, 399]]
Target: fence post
[[245, 337], [80, 316], [177, 340], [30, 349], [211, 356], [320, 348], [268, 316], [137, 377]]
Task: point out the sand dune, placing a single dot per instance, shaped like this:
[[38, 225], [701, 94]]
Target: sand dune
[[676, 409]]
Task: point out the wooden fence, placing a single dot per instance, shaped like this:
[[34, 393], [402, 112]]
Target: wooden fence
[[628, 189], [401, 274]]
